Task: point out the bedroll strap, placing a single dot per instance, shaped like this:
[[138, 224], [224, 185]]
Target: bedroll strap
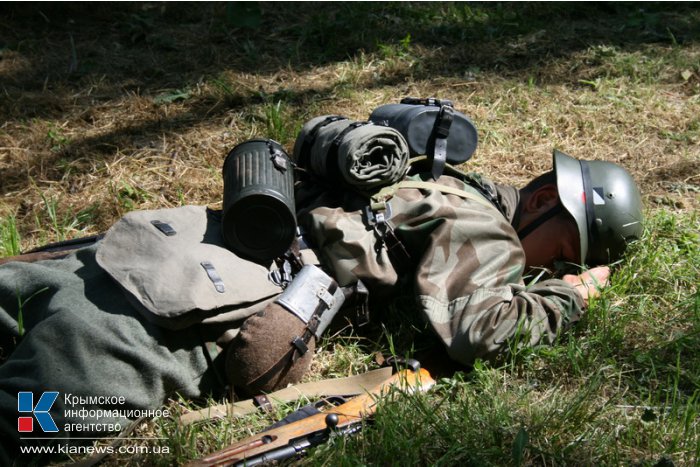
[[349, 386], [305, 152]]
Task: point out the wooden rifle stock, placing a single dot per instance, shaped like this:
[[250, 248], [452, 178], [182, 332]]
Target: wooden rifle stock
[[53, 250], [289, 440]]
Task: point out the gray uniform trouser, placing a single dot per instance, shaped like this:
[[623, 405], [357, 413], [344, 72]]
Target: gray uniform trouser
[[82, 338]]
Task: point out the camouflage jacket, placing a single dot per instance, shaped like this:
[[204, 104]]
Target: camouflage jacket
[[466, 266]]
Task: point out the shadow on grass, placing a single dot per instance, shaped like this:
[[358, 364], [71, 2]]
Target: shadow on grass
[[158, 45], [53, 54]]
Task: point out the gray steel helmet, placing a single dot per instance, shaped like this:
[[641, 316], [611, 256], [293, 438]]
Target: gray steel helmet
[[604, 201]]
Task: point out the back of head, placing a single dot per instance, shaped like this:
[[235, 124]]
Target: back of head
[[605, 202]]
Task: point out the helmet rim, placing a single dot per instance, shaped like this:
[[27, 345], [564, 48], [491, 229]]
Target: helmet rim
[[570, 188]]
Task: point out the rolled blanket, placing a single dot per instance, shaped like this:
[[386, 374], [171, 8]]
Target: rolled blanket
[[360, 155]]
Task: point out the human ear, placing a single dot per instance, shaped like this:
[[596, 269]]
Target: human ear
[[543, 199]]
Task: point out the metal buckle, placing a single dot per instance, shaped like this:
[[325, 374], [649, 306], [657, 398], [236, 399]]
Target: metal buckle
[[283, 276], [326, 297], [378, 217], [300, 345], [361, 304]]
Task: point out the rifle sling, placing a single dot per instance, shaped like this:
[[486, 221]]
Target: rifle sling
[[348, 386]]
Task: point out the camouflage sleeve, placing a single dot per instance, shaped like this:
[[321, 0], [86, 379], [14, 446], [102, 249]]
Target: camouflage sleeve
[[348, 249], [468, 270], [470, 288]]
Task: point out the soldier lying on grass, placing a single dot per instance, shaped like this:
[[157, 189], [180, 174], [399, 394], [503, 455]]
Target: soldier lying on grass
[[118, 327]]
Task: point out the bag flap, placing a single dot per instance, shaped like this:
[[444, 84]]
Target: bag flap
[[173, 262]]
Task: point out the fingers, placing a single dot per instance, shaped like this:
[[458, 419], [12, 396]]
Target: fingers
[[598, 277], [589, 283]]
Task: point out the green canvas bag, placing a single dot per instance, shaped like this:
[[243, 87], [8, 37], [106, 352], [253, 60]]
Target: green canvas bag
[[173, 265]]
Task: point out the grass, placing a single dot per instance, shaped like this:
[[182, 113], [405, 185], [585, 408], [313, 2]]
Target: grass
[[136, 107], [9, 237]]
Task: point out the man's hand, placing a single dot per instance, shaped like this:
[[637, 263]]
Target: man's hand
[[589, 283]]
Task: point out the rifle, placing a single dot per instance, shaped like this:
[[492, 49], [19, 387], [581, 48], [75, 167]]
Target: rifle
[[56, 250], [293, 439]]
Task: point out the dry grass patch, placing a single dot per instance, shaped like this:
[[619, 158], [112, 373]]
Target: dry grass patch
[[155, 136]]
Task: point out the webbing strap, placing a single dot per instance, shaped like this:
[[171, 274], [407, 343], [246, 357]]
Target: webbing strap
[[349, 386], [301, 342], [385, 193]]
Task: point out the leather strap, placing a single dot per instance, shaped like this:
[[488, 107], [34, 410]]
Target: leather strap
[[437, 148], [348, 386], [441, 131], [53, 250], [305, 151]]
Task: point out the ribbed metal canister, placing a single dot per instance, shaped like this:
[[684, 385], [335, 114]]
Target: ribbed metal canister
[[258, 221]]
